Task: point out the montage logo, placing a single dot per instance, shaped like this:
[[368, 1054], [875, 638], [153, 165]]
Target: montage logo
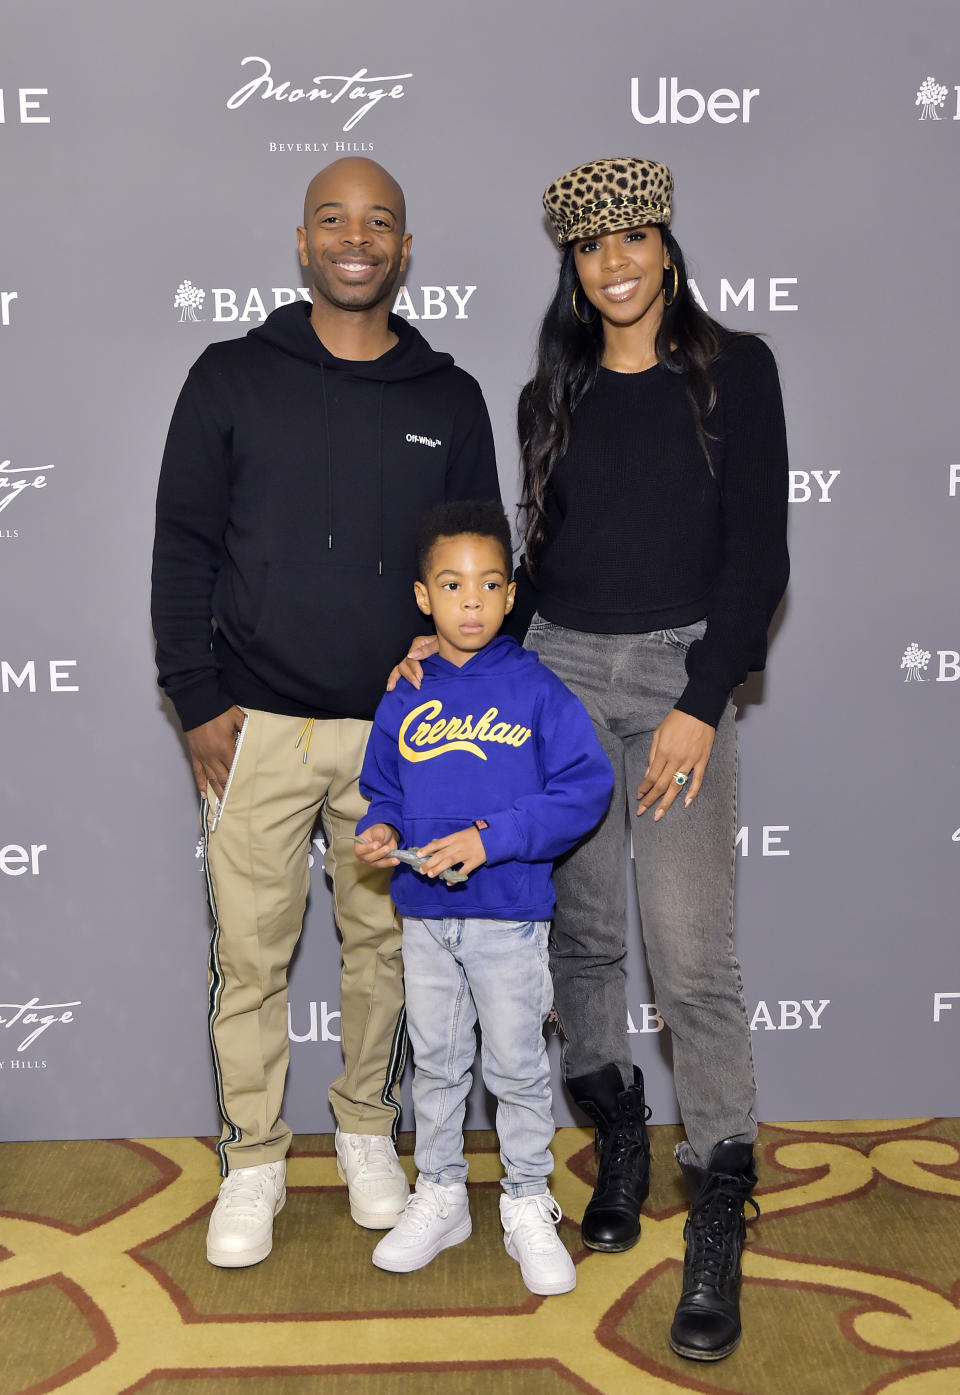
[[15, 481], [30, 1020], [360, 87]]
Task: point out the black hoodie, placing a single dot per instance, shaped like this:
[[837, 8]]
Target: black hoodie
[[291, 488]]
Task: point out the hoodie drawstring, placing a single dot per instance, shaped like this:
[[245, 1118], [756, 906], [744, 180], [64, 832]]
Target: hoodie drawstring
[[326, 422], [305, 731], [380, 481]]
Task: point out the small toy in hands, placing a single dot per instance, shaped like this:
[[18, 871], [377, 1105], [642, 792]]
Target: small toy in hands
[[413, 859]]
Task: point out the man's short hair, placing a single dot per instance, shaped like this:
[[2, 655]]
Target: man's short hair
[[484, 518]]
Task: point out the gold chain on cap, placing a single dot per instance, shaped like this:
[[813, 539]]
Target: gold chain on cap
[[634, 199]]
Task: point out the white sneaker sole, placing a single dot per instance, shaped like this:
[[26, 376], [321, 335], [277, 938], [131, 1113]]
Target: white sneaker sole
[[407, 1263], [371, 1220], [241, 1259]]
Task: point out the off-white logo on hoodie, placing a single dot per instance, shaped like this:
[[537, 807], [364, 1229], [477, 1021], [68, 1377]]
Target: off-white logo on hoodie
[[432, 441]]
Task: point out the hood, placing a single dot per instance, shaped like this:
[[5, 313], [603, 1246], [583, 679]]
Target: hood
[[288, 329], [502, 655]]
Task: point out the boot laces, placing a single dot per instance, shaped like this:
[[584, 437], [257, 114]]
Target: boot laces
[[625, 1139], [714, 1225]]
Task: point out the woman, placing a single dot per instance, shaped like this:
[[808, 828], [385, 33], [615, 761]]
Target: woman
[[654, 496]]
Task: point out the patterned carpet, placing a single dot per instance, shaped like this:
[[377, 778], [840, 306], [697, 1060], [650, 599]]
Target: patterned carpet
[[851, 1281]]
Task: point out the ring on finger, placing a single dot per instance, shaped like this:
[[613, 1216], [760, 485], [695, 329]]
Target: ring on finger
[[680, 779]]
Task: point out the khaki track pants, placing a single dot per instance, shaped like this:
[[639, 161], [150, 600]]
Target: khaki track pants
[[258, 877]]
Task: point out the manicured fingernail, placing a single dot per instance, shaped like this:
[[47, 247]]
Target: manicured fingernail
[[659, 815], [688, 801]]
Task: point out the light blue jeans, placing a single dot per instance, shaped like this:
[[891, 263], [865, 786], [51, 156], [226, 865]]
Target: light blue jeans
[[458, 972], [684, 869]]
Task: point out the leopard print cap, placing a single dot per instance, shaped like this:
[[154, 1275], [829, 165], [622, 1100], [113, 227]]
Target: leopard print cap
[[607, 195]]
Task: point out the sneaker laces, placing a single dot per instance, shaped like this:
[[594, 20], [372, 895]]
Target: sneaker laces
[[376, 1153], [536, 1224], [714, 1222], [244, 1188], [421, 1209]]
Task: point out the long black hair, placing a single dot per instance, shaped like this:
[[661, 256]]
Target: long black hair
[[569, 354]]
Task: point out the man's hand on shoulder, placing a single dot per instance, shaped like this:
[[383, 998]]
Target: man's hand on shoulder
[[409, 667], [212, 748]]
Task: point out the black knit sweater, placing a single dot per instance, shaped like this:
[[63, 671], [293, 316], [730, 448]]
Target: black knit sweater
[[642, 536]]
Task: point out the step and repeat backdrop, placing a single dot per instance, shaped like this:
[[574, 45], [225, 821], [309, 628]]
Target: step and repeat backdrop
[[153, 161]]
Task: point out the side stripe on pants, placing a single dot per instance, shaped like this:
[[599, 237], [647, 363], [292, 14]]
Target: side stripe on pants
[[216, 988]]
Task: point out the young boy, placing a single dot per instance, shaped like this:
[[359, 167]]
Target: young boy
[[492, 768]]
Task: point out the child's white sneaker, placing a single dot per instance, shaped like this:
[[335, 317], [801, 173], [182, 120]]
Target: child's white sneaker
[[433, 1219], [530, 1237]]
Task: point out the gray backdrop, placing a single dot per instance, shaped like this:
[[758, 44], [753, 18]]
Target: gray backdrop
[[818, 203]]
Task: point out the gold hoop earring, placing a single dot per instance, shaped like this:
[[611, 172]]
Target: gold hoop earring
[[577, 312], [676, 285]]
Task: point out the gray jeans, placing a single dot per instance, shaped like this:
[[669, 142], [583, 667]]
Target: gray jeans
[[684, 869]]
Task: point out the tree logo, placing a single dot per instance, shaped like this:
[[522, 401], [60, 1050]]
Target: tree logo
[[188, 300], [914, 660], [931, 95]]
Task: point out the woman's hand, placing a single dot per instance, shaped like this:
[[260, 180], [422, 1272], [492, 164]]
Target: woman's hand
[[376, 844], [681, 743], [409, 668], [463, 849]]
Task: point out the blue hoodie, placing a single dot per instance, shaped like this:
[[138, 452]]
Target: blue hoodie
[[500, 739]]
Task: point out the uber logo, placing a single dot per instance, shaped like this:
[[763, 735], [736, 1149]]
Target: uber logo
[[15, 860], [326, 1032], [723, 106], [56, 668], [800, 490], [26, 106]]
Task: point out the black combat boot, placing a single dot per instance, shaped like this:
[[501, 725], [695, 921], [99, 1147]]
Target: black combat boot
[[707, 1322], [612, 1218]]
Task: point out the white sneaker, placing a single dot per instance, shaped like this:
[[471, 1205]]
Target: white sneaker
[[530, 1237], [376, 1182], [433, 1219], [241, 1226]]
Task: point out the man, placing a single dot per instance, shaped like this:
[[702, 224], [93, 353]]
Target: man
[[298, 463]]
